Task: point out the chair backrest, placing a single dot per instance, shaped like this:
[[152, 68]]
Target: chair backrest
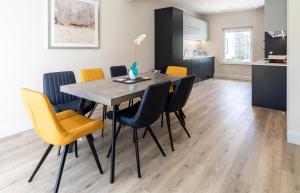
[[42, 116], [53, 81], [87, 75], [181, 94], [177, 70], [118, 71], [152, 104]]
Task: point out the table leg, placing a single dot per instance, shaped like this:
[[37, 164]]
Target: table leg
[[81, 105], [113, 145]]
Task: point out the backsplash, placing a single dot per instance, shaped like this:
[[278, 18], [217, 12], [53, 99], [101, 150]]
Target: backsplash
[[193, 48], [276, 45]]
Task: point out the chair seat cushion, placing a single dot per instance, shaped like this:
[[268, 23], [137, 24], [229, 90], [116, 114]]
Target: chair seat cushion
[[126, 114], [74, 105], [76, 125]]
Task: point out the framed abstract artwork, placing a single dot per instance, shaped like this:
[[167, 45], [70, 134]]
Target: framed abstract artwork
[[73, 24]]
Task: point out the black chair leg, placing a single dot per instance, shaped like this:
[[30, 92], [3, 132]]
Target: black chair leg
[[76, 149], [92, 137], [118, 131], [138, 167], [130, 103], [145, 132], [181, 111], [102, 132], [169, 130], [162, 119], [182, 115], [88, 137], [40, 163], [156, 141], [92, 111], [105, 110], [58, 151], [61, 168], [182, 124], [133, 139]]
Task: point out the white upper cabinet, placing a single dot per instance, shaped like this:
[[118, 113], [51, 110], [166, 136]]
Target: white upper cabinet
[[276, 15], [194, 28]]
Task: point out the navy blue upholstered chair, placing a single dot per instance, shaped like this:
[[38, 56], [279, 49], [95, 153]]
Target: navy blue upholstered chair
[[62, 101], [177, 100], [144, 113], [116, 71]]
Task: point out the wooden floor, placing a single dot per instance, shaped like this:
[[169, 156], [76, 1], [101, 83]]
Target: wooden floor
[[234, 148]]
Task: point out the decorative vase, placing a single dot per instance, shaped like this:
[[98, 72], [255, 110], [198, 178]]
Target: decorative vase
[[133, 71], [131, 75]]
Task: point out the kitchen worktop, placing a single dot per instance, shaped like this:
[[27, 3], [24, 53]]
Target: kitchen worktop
[[196, 57], [263, 62]]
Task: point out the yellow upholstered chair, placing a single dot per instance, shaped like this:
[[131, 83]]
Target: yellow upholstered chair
[[60, 129], [88, 75], [177, 70]]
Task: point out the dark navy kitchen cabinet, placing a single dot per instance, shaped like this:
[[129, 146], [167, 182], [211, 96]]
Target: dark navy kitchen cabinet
[[269, 86], [202, 68], [168, 37]]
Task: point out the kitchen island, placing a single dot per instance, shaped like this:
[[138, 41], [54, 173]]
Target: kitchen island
[[269, 85]]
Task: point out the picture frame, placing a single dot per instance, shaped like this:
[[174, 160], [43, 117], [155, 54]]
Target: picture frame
[[73, 24]]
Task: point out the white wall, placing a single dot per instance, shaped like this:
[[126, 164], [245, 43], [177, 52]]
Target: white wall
[[214, 45], [293, 72], [24, 56]]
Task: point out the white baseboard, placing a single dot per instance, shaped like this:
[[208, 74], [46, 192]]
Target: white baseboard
[[14, 128], [232, 77], [293, 137]]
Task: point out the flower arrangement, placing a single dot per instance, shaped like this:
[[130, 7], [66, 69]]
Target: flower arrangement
[[133, 71]]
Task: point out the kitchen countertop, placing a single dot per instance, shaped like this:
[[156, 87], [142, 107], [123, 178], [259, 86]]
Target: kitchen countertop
[[263, 62], [196, 57]]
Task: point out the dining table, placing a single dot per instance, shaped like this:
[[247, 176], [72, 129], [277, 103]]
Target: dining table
[[111, 93]]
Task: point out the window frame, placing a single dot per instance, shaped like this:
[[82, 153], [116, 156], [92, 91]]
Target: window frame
[[237, 29]]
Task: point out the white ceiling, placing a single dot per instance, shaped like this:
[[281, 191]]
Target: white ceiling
[[216, 6]]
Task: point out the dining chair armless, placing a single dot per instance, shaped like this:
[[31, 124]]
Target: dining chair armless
[[116, 71], [144, 113], [62, 101], [177, 100], [177, 71], [60, 129], [88, 75]]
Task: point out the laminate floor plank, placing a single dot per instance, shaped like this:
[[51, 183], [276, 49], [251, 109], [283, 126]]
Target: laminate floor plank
[[234, 148]]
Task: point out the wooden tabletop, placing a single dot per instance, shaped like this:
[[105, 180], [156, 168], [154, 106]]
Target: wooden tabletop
[[111, 93]]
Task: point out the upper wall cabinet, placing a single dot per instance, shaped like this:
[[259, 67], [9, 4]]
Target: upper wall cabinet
[[194, 28], [275, 15]]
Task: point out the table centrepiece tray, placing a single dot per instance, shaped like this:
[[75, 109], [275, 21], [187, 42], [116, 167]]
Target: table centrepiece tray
[[127, 80]]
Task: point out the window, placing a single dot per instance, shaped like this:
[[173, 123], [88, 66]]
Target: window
[[237, 46]]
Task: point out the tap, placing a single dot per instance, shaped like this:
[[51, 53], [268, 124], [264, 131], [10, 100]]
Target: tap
[[185, 52]]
